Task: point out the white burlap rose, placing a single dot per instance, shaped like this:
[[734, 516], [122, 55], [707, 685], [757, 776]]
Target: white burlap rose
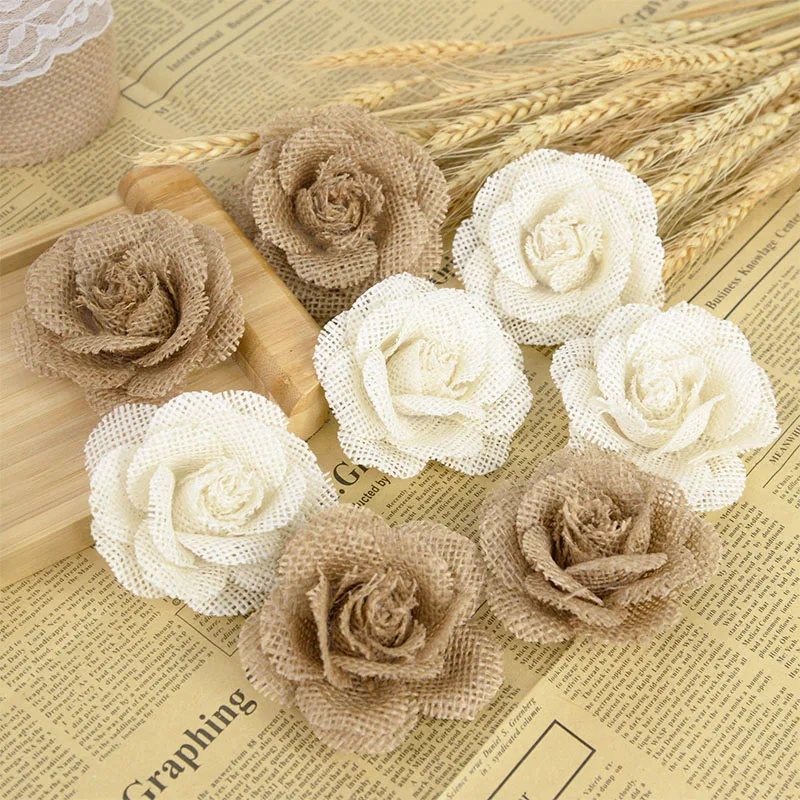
[[193, 499], [416, 374], [557, 241], [675, 391]]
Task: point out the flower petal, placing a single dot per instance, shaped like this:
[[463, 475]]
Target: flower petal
[[368, 718], [472, 676], [258, 668]]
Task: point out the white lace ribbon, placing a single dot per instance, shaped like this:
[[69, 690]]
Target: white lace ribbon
[[34, 32]]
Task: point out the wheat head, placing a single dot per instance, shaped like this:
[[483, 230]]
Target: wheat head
[[687, 136], [704, 237], [401, 54], [199, 150], [371, 96], [710, 167]]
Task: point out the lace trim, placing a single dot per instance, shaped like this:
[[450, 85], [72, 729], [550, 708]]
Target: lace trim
[[34, 32]]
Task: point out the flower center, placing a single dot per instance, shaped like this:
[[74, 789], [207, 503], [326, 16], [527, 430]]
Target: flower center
[[131, 295], [222, 496], [657, 389], [562, 251], [341, 206], [423, 367], [666, 391], [587, 530], [375, 617]]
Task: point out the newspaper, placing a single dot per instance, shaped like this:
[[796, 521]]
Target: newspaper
[[105, 695]]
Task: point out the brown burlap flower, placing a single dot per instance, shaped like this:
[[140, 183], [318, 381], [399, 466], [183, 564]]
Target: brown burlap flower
[[368, 627], [336, 202], [129, 306], [592, 546]]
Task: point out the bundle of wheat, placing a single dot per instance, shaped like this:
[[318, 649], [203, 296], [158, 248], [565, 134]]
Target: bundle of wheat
[[704, 106]]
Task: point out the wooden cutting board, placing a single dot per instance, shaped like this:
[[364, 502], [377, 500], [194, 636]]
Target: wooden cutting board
[[44, 423]]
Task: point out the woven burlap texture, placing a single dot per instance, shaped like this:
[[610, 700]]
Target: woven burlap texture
[[677, 392], [557, 241], [193, 499], [61, 109], [368, 627], [415, 374], [335, 202], [129, 306], [592, 546]]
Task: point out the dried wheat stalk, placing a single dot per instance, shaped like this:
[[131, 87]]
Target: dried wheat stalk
[[475, 126], [371, 96], [704, 237], [402, 54], [199, 150], [625, 99], [734, 150], [687, 137]]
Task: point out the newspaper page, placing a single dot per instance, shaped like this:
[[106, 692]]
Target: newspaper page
[[106, 695]]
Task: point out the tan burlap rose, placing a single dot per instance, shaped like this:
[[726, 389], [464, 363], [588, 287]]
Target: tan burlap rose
[[592, 546], [368, 627], [336, 202], [129, 306]]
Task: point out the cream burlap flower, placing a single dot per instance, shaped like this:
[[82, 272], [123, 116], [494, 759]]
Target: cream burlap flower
[[368, 628], [193, 499], [677, 392], [416, 374], [336, 202], [592, 546], [129, 306], [557, 241]]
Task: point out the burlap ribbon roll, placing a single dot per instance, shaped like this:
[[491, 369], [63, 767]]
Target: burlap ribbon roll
[[66, 98]]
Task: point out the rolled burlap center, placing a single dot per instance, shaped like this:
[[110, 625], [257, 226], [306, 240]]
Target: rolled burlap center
[[52, 114]]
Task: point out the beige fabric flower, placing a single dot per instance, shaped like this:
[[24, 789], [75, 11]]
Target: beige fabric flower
[[677, 392], [336, 202], [193, 499], [592, 546], [415, 374], [557, 241], [129, 306], [368, 627]]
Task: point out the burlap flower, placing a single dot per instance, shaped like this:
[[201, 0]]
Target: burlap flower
[[129, 306], [336, 202], [368, 628], [414, 373], [557, 241], [677, 392], [592, 546], [194, 498]]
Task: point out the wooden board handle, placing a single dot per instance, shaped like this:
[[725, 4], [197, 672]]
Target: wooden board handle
[[279, 338]]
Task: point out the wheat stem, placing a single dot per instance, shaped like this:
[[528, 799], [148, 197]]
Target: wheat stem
[[704, 237], [686, 137], [713, 166]]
